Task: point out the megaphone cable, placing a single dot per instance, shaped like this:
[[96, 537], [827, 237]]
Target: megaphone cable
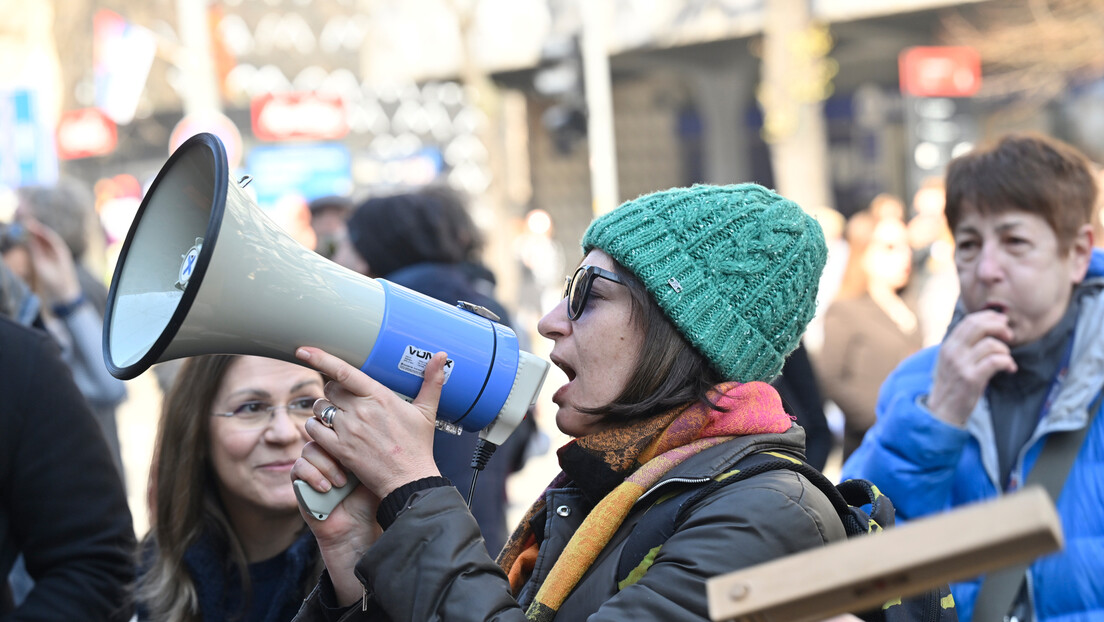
[[484, 449]]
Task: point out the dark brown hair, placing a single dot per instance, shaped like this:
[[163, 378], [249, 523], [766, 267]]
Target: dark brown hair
[[184, 500], [431, 225], [669, 372], [1028, 172]]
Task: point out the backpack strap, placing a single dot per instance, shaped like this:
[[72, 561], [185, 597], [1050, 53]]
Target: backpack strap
[[669, 511], [1000, 589], [851, 500], [661, 518]]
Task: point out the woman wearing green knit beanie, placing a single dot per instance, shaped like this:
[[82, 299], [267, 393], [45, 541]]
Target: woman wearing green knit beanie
[[735, 268], [685, 305]]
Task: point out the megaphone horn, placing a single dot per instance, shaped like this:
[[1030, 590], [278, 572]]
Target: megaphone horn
[[204, 270]]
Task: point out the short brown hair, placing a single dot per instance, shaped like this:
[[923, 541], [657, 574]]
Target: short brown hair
[[1028, 172]]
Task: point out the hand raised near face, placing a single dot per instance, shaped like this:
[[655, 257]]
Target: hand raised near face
[[54, 266], [975, 351]]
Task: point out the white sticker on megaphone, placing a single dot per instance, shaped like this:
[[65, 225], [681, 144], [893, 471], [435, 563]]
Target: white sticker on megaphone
[[414, 361]]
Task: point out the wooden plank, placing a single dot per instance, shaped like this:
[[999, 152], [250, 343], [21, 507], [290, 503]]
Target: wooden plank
[[864, 572]]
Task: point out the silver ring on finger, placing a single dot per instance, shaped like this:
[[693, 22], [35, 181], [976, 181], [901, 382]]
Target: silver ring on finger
[[327, 415]]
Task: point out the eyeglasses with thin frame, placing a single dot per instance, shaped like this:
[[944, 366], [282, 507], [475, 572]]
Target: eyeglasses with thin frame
[[577, 288], [258, 413]]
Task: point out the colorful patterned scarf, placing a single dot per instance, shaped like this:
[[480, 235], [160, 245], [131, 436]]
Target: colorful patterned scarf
[[637, 455]]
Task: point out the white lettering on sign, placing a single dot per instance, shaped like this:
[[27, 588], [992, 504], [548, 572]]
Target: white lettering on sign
[[414, 361]]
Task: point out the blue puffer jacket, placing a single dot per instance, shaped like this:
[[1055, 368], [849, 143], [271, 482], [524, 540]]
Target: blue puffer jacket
[[927, 466]]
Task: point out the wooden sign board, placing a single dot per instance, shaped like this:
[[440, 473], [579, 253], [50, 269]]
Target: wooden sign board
[[862, 573]]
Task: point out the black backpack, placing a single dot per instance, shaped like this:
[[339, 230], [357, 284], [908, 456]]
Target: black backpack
[[848, 498]]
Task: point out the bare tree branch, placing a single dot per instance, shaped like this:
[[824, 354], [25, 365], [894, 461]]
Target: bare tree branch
[[1032, 50]]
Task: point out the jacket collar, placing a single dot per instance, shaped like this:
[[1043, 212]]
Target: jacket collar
[[722, 458], [1084, 380]]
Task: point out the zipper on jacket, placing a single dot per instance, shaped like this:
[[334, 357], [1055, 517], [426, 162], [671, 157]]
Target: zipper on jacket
[[934, 608]]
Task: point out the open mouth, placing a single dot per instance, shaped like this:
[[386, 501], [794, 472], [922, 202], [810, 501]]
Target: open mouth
[[998, 307], [565, 368]]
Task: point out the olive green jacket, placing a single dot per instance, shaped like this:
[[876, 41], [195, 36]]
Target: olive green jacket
[[431, 565]]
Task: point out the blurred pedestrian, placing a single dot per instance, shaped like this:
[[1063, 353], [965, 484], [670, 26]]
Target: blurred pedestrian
[[68, 208], [869, 328], [17, 301], [886, 205], [41, 259], [1021, 368], [227, 541], [328, 215], [426, 241], [933, 287], [833, 223]]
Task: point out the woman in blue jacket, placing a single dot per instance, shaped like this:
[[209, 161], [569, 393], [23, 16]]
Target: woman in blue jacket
[[965, 421]]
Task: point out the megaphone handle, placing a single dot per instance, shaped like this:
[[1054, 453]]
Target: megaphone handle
[[320, 504]]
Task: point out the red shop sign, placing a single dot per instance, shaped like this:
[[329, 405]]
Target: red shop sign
[[940, 71], [84, 133]]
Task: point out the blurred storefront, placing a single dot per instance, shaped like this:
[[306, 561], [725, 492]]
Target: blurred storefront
[[368, 96]]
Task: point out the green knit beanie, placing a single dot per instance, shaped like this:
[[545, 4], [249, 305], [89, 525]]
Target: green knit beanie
[[735, 268]]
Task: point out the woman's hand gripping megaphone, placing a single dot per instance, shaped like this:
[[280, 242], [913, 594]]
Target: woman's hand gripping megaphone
[[375, 437]]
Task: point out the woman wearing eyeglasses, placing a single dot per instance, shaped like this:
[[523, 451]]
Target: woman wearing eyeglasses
[[227, 541], [685, 305]]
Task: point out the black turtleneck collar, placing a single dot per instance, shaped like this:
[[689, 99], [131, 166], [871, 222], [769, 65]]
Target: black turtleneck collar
[[1016, 400]]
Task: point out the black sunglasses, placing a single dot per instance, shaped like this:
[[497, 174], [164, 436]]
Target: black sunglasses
[[577, 288]]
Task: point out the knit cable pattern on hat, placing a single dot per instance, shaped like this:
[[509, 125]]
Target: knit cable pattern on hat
[[735, 268]]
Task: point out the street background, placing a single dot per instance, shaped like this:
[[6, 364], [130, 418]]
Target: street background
[[542, 113]]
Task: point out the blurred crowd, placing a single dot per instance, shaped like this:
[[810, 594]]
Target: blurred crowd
[[226, 537]]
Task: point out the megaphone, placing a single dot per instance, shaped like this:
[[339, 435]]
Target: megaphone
[[204, 270]]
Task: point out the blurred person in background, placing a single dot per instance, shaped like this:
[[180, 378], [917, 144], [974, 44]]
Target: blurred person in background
[[227, 541], [1022, 364], [886, 205], [17, 301], [328, 215], [292, 213], [933, 288], [66, 533], [833, 223], [869, 328], [41, 259], [69, 208], [427, 242]]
